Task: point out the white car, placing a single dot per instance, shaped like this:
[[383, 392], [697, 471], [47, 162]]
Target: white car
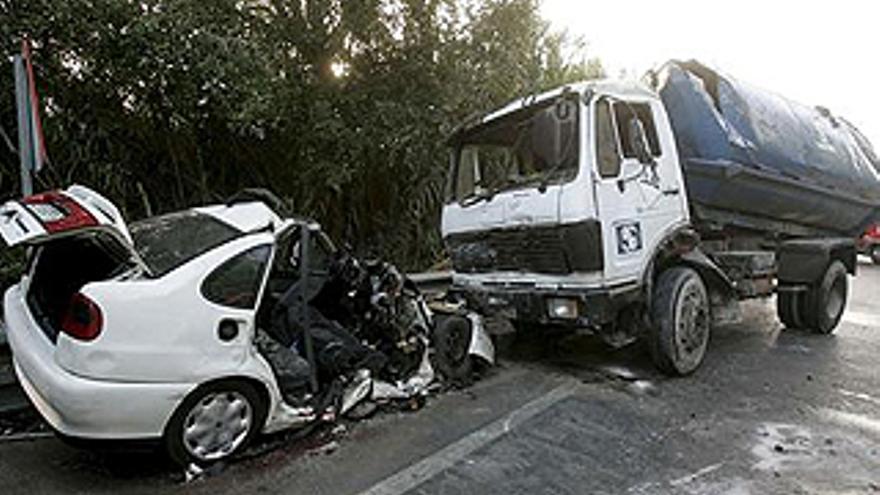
[[147, 332]]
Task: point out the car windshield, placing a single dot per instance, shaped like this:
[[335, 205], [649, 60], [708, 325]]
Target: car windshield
[[535, 145], [168, 241]]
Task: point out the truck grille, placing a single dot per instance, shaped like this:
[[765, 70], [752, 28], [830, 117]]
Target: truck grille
[[555, 249]]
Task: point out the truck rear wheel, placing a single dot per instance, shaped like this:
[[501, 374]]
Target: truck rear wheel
[[789, 307], [680, 321], [827, 301], [875, 254]]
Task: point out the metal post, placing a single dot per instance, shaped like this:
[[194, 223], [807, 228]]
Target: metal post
[[305, 269], [25, 133]]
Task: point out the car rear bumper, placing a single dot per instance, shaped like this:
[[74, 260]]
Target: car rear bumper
[[82, 407]]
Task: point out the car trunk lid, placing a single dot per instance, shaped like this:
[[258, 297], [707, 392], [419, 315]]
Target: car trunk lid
[[51, 215]]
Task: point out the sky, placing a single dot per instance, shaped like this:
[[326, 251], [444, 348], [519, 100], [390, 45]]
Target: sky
[[818, 53]]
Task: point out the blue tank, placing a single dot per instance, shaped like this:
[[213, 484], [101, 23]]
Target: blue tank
[[755, 160]]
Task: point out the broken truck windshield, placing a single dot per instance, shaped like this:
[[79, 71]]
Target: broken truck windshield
[[537, 145], [168, 241]]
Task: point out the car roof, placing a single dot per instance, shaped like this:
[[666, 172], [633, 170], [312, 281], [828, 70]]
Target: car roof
[[246, 217]]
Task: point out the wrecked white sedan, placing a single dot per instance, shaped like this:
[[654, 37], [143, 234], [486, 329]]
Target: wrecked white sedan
[[155, 331]]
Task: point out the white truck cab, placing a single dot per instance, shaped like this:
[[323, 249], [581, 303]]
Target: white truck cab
[[570, 209], [557, 170]]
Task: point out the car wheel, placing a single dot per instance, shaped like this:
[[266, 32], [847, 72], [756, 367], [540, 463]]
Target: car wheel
[[875, 254], [452, 338], [827, 301], [680, 321], [214, 422]]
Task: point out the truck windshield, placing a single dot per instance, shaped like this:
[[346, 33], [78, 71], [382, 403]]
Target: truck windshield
[[534, 146]]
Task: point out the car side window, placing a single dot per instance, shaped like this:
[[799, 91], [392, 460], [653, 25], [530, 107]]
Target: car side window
[[236, 282], [607, 150]]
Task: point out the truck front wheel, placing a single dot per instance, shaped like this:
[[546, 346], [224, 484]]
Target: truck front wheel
[[827, 301], [680, 321], [875, 254]]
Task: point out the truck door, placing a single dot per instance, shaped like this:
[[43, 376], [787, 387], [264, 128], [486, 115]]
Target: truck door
[[637, 203]]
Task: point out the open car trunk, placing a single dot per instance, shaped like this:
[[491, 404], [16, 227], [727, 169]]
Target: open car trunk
[[62, 267], [77, 237]]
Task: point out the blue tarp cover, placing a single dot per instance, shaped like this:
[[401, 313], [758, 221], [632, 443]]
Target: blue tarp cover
[[758, 160]]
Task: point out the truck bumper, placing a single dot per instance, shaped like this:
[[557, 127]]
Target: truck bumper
[[595, 306]]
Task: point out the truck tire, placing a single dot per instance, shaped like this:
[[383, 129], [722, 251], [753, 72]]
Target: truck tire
[[875, 254], [827, 301], [681, 321], [790, 307]]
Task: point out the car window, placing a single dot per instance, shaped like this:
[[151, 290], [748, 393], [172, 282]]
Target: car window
[[168, 241], [236, 283], [607, 152]]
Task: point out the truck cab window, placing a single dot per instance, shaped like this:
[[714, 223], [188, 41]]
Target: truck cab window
[[535, 146], [607, 151], [626, 111]]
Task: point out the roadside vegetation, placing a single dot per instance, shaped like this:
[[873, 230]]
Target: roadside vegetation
[[340, 107]]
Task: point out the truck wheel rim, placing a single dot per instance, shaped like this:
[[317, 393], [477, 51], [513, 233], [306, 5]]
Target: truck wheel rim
[[217, 425], [692, 322]]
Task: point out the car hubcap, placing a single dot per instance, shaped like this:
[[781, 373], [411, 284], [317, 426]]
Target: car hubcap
[[692, 321], [217, 425]]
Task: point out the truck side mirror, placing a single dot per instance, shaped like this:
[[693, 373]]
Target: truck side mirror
[[638, 142]]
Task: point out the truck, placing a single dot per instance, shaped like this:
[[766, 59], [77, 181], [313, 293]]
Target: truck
[[648, 210]]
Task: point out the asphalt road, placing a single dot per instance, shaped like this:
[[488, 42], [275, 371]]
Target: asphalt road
[[770, 411]]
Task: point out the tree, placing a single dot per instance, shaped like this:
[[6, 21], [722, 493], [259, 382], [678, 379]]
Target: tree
[[341, 107]]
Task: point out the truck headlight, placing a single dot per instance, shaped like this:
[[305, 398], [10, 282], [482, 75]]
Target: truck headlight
[[562, 308]]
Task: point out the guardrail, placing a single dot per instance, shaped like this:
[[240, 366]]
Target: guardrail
[[432, 282]]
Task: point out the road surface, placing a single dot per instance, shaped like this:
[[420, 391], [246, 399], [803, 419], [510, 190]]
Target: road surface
[[770, 411]]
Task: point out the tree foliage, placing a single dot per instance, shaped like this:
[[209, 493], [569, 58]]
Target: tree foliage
[[339, 106]]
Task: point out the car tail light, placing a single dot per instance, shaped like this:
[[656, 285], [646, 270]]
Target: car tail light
[[83, 319]]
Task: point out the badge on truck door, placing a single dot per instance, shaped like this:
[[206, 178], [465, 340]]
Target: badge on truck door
[[629, 238]]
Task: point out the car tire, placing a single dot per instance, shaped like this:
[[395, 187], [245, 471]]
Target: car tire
[[681, 321], [451, 338], [875, 254], [826, 302], [214, 422]]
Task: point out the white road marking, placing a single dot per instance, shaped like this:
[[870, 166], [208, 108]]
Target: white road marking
[[412, 476]]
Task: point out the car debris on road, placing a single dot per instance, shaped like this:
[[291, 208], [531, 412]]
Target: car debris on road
[[207, 326]]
